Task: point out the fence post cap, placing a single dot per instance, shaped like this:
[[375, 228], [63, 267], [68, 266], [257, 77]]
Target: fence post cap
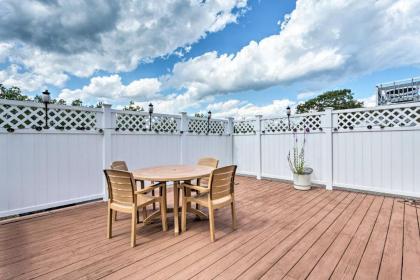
[[106, 105], [258, 116]]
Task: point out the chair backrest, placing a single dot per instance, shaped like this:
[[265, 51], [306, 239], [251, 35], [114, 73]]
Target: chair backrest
[[121, 186], [222, 182], [119, 165], [208, 161]]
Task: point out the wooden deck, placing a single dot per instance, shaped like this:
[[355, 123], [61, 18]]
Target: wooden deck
[[282, 233]]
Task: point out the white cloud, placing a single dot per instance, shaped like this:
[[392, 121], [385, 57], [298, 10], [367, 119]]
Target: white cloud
[[319, 42], [81, 37], [111, 88], [15, 75], [369, 101], [306, 95], [239, 109]]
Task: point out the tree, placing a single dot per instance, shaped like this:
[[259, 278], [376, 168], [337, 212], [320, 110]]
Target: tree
[[337, 99], [38, 99], [133, 107], [60, 102], [77, 102], [12, 93]]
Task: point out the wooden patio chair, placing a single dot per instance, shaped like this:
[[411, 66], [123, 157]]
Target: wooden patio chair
[[220, 193], [210, 162], [206, 161], [123, 197], [122, 165]]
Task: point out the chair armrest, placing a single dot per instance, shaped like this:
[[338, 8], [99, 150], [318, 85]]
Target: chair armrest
[[150, 188], [194, 187]]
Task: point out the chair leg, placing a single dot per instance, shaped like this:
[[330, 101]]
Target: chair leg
[[133, 227], [233, 214], [144, 213], [138, 216], [115, 216], [211, 221], [154, 204], [163, 214], [184, 214], [109, 233], [197, 206]]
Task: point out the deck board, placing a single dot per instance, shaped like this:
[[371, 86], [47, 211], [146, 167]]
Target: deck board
[[282, 233]]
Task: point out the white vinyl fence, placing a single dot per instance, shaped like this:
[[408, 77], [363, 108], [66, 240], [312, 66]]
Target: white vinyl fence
[[43, 168], [370, 149], [375, 149]]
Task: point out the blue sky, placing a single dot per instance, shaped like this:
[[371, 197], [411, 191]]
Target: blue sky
[[234, 57]]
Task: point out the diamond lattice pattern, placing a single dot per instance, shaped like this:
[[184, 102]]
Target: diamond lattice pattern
[[200, 126], [17, 116], [298, 123], [244, 127], [393, 117], [141, 123]]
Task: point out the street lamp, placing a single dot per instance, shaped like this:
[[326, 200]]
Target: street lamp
[[46, 99], [150, 116], [208, 121], [288, 112]]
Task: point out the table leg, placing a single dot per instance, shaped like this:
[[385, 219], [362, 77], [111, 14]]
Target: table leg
[[176, 205], [188, 193]]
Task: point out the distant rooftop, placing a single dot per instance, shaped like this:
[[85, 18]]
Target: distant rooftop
[[403, 91]]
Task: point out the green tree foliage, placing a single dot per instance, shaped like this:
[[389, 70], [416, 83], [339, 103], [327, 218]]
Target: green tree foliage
[[38, 99], [133, 107], [337, 99], [77, 102], [12, 93]]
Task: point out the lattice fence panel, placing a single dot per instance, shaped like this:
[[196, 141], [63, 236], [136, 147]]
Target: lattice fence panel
[[202, 126], [244, 127], [297, 123], [71, 119], [21, 117], [141, 123], [391, 117], [14, 116], [164, 124], [132, 122]]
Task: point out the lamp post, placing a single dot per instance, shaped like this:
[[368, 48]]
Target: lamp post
[[288, 112], [150, 116], [46, 99], [208, 121]]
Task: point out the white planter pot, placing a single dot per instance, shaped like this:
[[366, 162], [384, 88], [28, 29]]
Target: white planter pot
[[302, 181]]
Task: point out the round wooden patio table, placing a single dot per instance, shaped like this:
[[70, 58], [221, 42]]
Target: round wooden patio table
[[175, 174]]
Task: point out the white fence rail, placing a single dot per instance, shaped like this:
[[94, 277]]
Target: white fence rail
[[375, 149]]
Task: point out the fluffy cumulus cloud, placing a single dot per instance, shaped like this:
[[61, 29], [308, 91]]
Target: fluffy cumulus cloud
[[242, 109], [320, 41], [369, 101], [111, 88], [81, 37]]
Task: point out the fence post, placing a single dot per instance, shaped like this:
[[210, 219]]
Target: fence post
[[183, 131], [258, 145], [327, 124], [106, 126], [230, 131]]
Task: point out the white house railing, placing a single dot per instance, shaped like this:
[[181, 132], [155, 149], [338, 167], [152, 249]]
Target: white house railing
[[371, 149]]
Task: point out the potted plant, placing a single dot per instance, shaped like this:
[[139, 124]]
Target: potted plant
[[301, 174]]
